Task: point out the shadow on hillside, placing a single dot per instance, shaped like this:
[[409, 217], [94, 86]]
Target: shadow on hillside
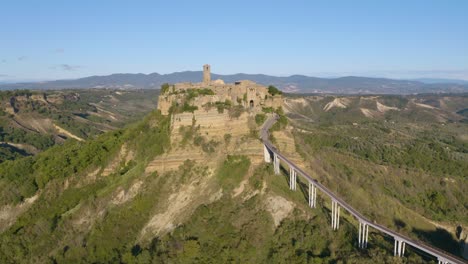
[[14, 149], [301, 186], [285, 173], [439, 238], [304, 188], [400, 224]]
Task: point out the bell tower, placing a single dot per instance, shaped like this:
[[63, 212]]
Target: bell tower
[[206, 74]]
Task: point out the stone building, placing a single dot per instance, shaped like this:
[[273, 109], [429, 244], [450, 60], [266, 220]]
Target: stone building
[[206, 74], [250, 95]]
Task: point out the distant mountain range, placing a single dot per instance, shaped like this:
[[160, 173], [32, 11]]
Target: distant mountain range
[[292, 84], [438, 80]]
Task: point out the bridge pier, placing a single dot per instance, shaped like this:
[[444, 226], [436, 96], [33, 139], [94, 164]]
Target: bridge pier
[[399, 249], [312, 195], [276, 163], [363, 234], [335, 215], [266, 154], [292, 178]]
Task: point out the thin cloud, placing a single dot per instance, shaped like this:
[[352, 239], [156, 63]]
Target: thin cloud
[[22, 58], [4, 75], [67, 67], [59, 50], [3, 61]]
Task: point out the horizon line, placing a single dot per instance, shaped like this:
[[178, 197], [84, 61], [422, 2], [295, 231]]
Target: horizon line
[[316, 75]]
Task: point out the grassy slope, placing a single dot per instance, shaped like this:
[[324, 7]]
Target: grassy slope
[[59, 174]]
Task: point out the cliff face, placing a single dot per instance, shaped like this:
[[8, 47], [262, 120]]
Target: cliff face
[[201, 141], [218, 133], [205, 138], [212, 117]]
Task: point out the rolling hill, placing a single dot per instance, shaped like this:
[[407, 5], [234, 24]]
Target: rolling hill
[[293, 84], [33, 121]]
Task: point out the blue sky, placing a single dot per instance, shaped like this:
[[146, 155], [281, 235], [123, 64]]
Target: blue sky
[[43, 40]]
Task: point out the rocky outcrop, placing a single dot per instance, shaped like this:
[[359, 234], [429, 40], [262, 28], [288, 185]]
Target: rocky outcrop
[[284, 140], [9, 213]]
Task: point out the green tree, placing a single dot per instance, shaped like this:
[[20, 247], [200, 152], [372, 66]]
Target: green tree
[[165, 88], [273, 90]]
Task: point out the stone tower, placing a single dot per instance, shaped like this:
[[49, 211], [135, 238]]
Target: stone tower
[[206, 74]]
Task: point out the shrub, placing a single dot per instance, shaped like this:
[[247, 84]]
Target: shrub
[[227, 138], [236, 111], [205, 91], [233, 170], [267, 110], [198, 140], [207, 146], [192, 93], [260, 119], [220, 107], [185, 107], [210, 146], [273, 90], [189, 108], [187, 132], [164, 88]]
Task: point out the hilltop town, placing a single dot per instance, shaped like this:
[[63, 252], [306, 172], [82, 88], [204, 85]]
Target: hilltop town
[[244, 94], [212, 114]]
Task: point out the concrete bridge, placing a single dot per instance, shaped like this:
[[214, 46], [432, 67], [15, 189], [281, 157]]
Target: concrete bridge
[[400, 241]]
